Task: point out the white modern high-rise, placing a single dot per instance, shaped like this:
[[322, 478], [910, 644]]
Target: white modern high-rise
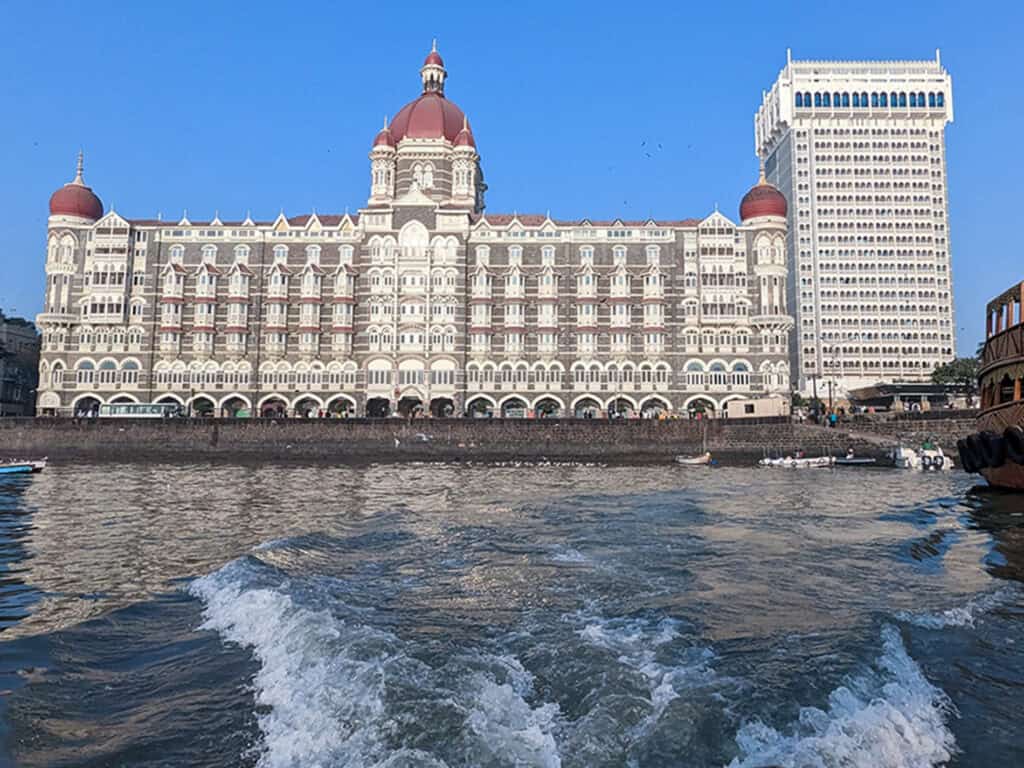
[[858, 149]]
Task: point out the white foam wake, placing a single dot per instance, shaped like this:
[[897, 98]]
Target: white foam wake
[[965, 615], [321, 688], [888, 717]]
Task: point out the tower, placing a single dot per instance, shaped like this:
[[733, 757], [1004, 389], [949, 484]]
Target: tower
[[858, 148]]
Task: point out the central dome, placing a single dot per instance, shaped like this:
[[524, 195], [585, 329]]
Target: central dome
[[431, 116]]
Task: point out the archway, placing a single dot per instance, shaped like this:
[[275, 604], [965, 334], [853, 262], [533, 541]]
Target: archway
[[442, 407], [653, 407], [203, 406], [273, 408], [307, 408], [123, 399], [513, 408], [622, 408], [547, 408], [587, 408], [378, 407], [341, 406], [480, 407], [235, 407], [86, 406], [701, 406], [410, 405]]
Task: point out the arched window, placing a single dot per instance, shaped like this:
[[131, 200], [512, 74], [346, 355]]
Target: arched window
[[864, 98], [903, 99], [940, 99], [807, 98], [920, 99], [280, 252], [825, 100], [817, 99], [913, 99], [846, 99], [856, 99], [799, 99], [883, 100]]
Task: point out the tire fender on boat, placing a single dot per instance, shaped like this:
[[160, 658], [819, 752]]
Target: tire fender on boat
[[1014, 438], [993, 448], [974, 446], [966, 457]]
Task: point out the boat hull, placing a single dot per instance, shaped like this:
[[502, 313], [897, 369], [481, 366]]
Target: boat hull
[[15, 469], [1010, 476]]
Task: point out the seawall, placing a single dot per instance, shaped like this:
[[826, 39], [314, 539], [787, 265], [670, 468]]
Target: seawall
[[363, 440]]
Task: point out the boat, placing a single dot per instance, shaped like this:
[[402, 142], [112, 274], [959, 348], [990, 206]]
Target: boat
[[17, 466], [694, 461], [995, 449], [854, 461], [801, 462], [928, 458]]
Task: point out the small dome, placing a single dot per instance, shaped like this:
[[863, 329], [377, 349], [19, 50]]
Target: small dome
[[465, 136], [76, 199], [384, 138], [763, 200], [433, 58]]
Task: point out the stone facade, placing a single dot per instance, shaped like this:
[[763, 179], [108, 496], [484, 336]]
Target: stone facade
[[420, 300], [19, 363]]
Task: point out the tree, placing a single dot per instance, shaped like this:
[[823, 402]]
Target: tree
[[962, 373]]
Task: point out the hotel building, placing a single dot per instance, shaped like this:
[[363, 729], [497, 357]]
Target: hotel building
[[858, 148], [421, 300]]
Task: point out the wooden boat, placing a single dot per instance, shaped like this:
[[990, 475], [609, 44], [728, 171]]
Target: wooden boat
[[694, 461], [18, 467], [996, 448]]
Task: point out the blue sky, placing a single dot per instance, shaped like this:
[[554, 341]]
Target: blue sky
[[257, 107]]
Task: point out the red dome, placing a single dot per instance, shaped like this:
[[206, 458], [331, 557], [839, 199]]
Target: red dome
[[431, 116], [76, 199], [762, 200], [433, 58], [383, 138]]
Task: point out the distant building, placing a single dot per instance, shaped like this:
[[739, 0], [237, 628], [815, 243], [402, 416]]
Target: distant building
[[858, 148], [421, 300], [19, 366]]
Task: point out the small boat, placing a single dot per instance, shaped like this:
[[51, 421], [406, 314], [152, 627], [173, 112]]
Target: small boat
[[850, 460], [17, 467], [789, 462], [929, 458], [694, 461]]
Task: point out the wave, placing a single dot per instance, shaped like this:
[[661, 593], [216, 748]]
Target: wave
[[888, 717], [335, 692], [965, 615]]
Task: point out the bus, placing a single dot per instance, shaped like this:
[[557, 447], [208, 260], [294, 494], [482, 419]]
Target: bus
[[140, 411]]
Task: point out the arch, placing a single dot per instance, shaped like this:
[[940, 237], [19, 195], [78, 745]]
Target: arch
[[699, 404], [170, 398], [548, 406], [621, 406], [481, 405], [511, 404], [49, 401], [202, 404], [307, 405], [233, 405], [413, 234], [378, 407], [123, 398], [586, 407], [272, 400], [86, 403], [442, 407], [653, 406]]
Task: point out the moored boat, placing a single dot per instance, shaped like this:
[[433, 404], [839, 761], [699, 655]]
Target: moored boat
[[928, 458], [18, 467], [791, 462], [694, 461], [996, 448]]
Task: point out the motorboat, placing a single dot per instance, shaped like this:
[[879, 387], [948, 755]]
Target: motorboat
[[928, 458], [851, 460], [18, 467], [800, 462], [694, 461]]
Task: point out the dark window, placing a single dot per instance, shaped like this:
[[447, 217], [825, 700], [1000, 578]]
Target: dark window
[[825, 100], [817, 99], [846, 99], [940, 99], [903, 99], [894, 99], [799, 99], [931, 99], [874, 99], [920, 99], [864, 98], [748, 408], [884, 101], [913, 99], [856, 99], [807, 98]]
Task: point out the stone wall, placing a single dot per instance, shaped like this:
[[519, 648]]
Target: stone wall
[[360, 440]]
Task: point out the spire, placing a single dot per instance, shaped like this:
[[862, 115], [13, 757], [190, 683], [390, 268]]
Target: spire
[[762, 179], [385, 123], [79, 180], [433, 45]]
